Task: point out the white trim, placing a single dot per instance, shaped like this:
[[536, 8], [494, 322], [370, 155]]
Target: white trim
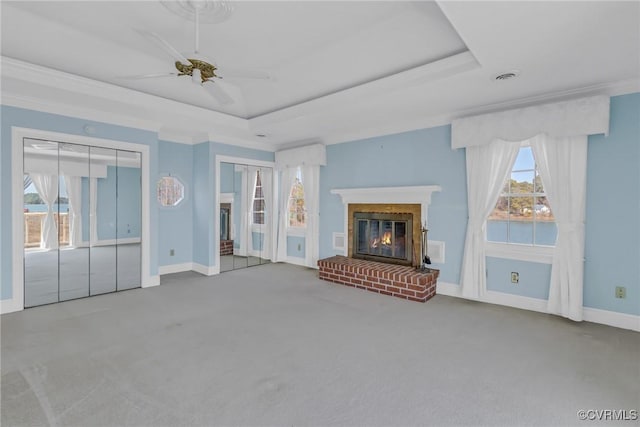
[[207, 271], [17, 136], [334, 238], [216, 223], [153, 281], [612, 318], [296, 231], [539, 254], [110, 242], [175, 268], [605, 317], [412, 194]]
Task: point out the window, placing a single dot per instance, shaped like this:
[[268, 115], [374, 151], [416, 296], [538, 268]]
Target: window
[[258, 201], [522, 214], [297, 211], [170, 191]]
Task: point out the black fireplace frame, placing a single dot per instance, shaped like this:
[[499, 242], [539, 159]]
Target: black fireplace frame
[[405, 218]]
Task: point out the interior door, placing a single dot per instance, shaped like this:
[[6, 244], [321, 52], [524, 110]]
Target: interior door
[[103, 214], [41, 212], [73, 192], [128, 219]]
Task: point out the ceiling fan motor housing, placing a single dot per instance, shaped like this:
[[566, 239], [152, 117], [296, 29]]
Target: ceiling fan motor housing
[[207, 71]]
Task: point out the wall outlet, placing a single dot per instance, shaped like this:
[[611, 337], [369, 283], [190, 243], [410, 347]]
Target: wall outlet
[[621, 292], [299, 247], [515, 277], [172, 252]]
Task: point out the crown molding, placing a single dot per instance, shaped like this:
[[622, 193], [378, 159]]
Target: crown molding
[[64, 109], [622, 87]]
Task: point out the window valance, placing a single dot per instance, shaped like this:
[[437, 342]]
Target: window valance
[[585, 116], [309, 155]]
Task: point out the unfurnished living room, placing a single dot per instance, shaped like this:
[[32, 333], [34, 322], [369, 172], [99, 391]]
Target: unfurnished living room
[[325, 213]]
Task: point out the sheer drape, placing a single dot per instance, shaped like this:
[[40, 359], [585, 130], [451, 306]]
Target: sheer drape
[[311, 182], [562, 163], [251, 192], [74, 193], [47, 187], [286, 182], [488, 167], [266, 176]]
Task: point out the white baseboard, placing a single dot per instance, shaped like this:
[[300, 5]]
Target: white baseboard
[[151, 282], [10, 306], [175, 268], [605, 317], [612, 318], [203, 269]]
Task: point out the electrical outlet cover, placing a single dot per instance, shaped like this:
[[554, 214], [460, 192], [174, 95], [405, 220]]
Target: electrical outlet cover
[[515, 277]]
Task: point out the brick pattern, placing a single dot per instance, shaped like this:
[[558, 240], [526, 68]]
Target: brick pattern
[[387, 279], [226, 247]]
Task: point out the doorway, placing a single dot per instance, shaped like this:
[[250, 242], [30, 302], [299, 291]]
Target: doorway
[[245, 207], [82, 220]]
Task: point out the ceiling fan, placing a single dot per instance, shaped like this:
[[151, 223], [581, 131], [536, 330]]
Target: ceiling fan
[[201, 70]]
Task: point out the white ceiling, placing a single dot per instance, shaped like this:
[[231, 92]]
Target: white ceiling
[[341, 70]]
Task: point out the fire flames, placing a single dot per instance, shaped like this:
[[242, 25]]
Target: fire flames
[[385, 240]]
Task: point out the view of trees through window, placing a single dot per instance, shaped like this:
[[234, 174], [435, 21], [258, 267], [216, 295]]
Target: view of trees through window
[[297, 211], [522, 213], [258, 201]]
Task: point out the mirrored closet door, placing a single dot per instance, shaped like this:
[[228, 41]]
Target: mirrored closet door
[[245, 222], [82, 221]]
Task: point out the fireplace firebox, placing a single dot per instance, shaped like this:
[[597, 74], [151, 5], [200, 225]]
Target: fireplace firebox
[[385, 237]]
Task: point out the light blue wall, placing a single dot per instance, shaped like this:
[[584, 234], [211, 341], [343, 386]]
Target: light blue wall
[[612, 247], [19, 117], [176, 227], [296, 246], [534, 277], [204, 172], [422, 157]]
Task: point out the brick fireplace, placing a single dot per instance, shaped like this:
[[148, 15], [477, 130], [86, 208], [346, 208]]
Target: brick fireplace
[[383, 227]]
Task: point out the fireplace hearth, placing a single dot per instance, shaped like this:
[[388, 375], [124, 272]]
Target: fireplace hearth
[[384, 237]]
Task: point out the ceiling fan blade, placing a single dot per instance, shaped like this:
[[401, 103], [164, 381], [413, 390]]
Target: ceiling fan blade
[[217, 92], [164, 45], [245, 73], [147, 76]]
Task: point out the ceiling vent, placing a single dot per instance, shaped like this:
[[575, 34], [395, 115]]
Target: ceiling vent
[[506, 76]]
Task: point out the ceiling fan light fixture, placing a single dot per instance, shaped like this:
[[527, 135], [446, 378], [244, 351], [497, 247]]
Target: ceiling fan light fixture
[[196, 76]]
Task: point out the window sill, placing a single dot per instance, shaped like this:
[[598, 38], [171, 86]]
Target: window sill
[[296, 231], [539, 254]]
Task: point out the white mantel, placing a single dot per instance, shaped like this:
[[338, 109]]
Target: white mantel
[[387, 195]]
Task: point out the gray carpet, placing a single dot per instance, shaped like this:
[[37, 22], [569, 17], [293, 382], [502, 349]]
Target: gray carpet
[[273, 345]]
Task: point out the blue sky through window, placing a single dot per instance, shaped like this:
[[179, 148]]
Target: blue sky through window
[[524, 160]]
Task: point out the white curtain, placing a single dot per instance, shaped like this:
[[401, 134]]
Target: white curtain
[[562, 163], [266, 175], [311, 183], [252, 181], [488, 167], [74, 193], [93, 210], [286, 182], [47, 187]]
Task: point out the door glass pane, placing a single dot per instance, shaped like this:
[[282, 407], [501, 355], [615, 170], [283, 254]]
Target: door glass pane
[[241, 217], [40, 222], [102, 186], [74, 250], [128, 219]]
